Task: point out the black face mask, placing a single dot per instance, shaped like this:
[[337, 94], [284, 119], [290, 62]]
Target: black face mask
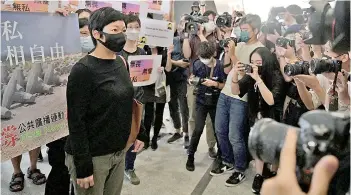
[[114, 42], [259, 70]]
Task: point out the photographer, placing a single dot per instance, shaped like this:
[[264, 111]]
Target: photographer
[[321, 85], [177, 77], [206, 32], [195, 9], [264, 85], [231, 114], [209, 78]]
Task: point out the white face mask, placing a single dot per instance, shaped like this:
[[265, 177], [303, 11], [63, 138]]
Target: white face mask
[[205, 61], [132, 34], [86, 44], [210, 26]]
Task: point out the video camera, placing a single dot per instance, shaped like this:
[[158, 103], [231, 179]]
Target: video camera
[[224, 20], [193, 22], [224, 42], [322, 133], [330, 24], [319, 66], [297, 68]]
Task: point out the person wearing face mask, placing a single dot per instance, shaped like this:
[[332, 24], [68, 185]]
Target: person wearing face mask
[[212, 77], [131, 48], [231, 114], [99, 106], [190, 49], [85, 39], [264, 88]]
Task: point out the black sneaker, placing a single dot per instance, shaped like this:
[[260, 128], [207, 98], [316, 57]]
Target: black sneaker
[[190, 164], [257, 184], [174, 138], [146, 145], [235, 179], [186, 142], [220, 169]]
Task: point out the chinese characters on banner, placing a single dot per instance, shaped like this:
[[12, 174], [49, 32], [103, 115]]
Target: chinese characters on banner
[[31, 6], [94, 5], [143, 69], [36, 59], [129, 8]]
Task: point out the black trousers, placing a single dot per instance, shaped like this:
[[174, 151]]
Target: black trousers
[[58, 181], [150, 114], [179, 99], [200, 120]]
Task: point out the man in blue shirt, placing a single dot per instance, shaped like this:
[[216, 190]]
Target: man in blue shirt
[[209, 77]]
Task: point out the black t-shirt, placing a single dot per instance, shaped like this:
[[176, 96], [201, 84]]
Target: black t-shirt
[[99, 103]]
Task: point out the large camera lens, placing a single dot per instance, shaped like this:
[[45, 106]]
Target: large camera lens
[[224, 42], [297, 68], [221, 21], [319, 66], [284, 42], [266, 140]]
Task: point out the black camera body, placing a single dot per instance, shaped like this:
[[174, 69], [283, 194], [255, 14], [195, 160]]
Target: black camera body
[[196, 81], [224, 42], [330, 24], [319, 66], [297, 68], [322, 133], [270, 26], [284, 42], [248, 68], [224, 20], [193, 22]]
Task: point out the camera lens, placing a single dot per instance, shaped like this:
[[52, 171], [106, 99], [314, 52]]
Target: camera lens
[[319, 66], [266, 140], [296, 69]]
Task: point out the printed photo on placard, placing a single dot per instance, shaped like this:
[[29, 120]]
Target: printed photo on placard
[[129, 8], [156, 32], [34, 74], [94, 5], [143, 69]]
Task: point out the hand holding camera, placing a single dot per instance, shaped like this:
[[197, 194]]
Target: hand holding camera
[[254, 74]]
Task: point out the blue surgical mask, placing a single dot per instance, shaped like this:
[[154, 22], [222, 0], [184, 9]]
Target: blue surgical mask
[[86, 44], [244, 36]]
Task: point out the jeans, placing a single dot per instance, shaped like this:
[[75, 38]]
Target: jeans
[[149, 118], [210, 137], [130, 158], [58, 181], [179, 99], [200, 120], [231, 117]]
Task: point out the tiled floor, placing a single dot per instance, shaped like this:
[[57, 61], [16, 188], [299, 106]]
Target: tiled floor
[[161, 172]]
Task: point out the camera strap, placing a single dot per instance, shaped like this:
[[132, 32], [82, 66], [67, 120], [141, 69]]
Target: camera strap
[[333, 96]]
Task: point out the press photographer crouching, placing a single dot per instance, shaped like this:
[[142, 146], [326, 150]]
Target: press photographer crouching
[[208, 79], [264, 85]]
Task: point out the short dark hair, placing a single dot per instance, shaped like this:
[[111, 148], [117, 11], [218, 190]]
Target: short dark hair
[[296, 12], [206, 49], [132, 18], [251, 19], [83, 22], [209, 12], [79, 11], [102, 17]]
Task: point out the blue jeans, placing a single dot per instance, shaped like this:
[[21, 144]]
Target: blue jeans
[[231, 116], [130, 158]]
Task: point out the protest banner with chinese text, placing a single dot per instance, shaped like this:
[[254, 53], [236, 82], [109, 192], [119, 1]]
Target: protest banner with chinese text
[[36, 59], [31, 6], [129, 8], [143, 69], [156, 33], [94, 5]]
